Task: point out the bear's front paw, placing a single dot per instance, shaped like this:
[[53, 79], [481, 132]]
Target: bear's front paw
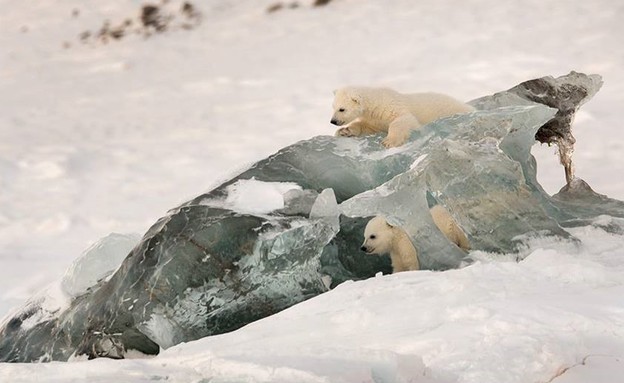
[[391, 142], [344, 132]]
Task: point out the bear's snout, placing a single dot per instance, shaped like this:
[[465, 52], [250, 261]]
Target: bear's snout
[[363, 248], [336, 122]]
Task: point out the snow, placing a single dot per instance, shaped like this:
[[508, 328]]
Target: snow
[[254, 197], [100, 138], [551, 314]]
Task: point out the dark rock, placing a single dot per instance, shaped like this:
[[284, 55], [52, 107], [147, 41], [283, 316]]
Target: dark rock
[[84, 36], [151, 17], [320, 3], [275, 7]]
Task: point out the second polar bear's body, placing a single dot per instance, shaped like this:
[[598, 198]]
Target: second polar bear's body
[[380, 237], [447, 225], [364, 110]]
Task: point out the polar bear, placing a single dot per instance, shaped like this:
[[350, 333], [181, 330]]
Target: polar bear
[[363, 110], [382, 238]]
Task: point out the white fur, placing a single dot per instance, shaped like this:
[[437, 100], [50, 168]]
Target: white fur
[[362, 111], [382, 238], [447, 225]]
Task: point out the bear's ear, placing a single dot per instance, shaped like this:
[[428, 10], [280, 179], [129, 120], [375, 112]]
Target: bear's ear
[[356, 99], [385, 220]]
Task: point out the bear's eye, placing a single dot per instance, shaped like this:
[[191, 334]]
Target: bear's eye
[[372, 236], [341, 109]]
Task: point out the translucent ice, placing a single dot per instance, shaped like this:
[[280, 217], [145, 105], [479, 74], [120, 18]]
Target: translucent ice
[[97, 262]]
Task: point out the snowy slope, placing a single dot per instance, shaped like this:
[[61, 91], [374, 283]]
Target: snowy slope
[[557, 317], [105, 138]]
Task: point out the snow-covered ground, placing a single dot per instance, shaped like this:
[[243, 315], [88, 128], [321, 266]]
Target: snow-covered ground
[[101, 138]]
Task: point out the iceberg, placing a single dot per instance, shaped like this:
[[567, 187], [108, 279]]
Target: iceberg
[[230, 257]]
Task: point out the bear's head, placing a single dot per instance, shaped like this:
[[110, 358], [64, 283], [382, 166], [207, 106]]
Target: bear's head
[[347, 106], [378, 236]]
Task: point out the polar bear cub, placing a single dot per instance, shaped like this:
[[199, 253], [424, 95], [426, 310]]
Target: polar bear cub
[[382, 238], [362, 111]]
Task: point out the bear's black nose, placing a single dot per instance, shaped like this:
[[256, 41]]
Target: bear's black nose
[[335, 122], [363, 248]]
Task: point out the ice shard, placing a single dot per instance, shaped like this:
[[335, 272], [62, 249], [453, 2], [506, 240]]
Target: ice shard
[[219, 261], [97, 263]]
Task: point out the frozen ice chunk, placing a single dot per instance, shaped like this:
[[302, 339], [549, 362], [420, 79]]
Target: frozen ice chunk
[[198, 271], [98, 262], [46, 305], [585, 204], [299, 202], [270, 266], [326, 208]]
